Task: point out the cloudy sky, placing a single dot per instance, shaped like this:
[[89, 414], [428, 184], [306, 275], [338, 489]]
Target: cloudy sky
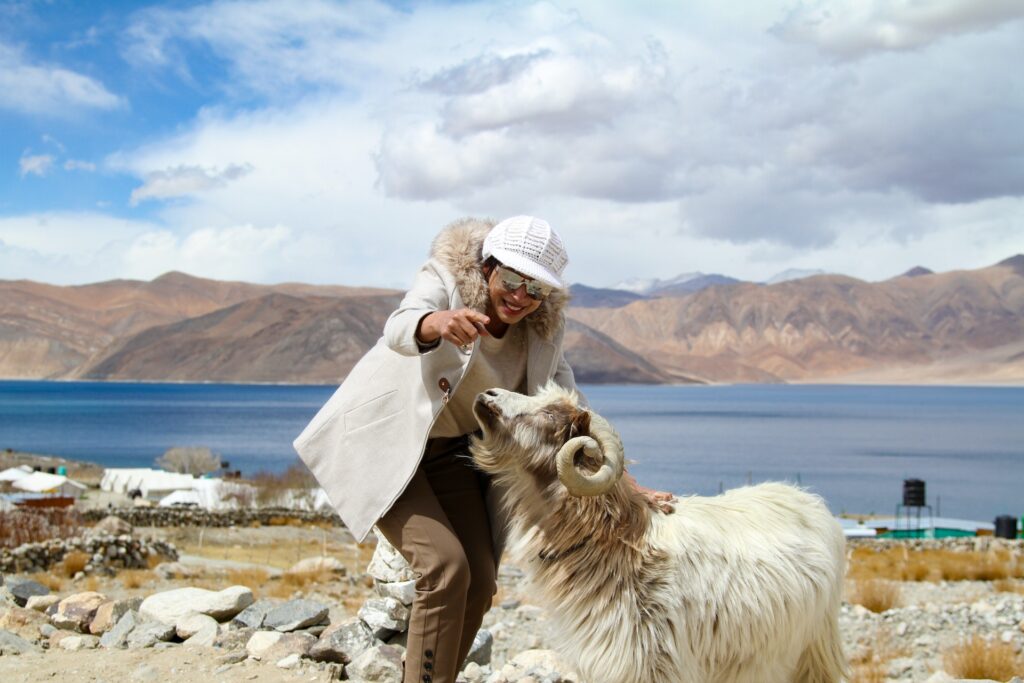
[[328, 141]]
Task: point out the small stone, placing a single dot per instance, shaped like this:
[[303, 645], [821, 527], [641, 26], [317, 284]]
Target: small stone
[[292, 661], [175, 570], [74, 643], [387, 564], [316, 565], [41, 603], [111, 525], [192, 623], [403, 591], [262, 641], [232, 658], [1006, 637], [296, 614], [511, 603]]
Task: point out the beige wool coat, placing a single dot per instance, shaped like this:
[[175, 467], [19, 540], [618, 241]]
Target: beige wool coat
[[365, 443]]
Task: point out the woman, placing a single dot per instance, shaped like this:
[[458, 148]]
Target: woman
[[390, 447]]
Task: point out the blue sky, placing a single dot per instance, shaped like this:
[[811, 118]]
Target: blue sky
[[328, 141]]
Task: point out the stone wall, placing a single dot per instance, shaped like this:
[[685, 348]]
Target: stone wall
[[105, 553], [182, 517]]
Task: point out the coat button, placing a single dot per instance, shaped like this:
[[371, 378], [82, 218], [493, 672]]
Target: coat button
[[429, 653], [428, 666], [444, 385], [426, 678]]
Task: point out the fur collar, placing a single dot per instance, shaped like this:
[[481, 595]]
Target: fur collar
[[457, 247]]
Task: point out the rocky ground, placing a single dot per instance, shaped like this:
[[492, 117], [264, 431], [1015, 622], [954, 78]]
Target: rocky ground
[[343, 617]]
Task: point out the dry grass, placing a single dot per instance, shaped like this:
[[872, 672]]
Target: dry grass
[[73, 563], [870, 665], [50, 580], [136, 578], [1009, 586], [902, 564], [978, 658], [877, 595]]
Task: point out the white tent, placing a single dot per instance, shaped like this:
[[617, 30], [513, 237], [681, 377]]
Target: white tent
[[153, 484], [42, 482], [15, 473]]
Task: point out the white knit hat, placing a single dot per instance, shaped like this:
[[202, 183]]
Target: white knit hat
[[530, 246]]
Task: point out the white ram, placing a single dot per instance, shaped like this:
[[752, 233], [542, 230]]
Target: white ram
[[743, 587]]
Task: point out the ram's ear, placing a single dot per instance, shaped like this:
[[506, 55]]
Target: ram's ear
[[580, 424]]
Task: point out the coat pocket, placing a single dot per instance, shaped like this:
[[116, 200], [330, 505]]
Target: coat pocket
[[373, 411]]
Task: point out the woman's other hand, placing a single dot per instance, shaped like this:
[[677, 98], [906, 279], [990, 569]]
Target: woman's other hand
[[460, 327]]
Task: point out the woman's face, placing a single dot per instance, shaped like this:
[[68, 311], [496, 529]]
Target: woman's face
[[509, 306]]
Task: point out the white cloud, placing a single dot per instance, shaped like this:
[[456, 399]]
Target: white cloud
[[79, 165], [235, 252], [180, 181], [854, 28], [35, 164], [46, 89]]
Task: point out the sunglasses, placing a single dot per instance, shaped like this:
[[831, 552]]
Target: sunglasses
[[513, 281]]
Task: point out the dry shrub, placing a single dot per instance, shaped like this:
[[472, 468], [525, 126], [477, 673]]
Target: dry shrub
[[35, 525], [901, 564], [290, 583], [154, 559], [136, 578], [50, 580], [870, 665], [250, 578], [73, 563], [978, 658], [1008, 586], [90, 583], [877, 595], [272, 486]]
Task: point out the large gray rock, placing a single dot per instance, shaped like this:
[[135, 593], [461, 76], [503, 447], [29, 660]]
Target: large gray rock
[[380, 664], [75, 612], [384, 616], [13, 644], [296, 614], [107, 615], [150, 632], [20, 590], [253, 615], [344, 642], [171, 605], [117, 637], [192, 623], [387, 564], [480, 650]]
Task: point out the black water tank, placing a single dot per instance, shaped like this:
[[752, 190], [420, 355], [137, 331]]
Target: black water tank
[[1006, 526], [913, 493]]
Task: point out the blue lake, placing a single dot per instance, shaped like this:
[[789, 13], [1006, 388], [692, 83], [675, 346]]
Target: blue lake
[[854, 445]]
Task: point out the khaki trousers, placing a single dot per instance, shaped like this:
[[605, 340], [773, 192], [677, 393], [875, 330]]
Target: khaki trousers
[[440, 526]]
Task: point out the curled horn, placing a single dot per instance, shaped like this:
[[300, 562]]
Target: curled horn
[[603, 444]]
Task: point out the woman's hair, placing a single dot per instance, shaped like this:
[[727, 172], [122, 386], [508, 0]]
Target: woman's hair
[[489, 264]]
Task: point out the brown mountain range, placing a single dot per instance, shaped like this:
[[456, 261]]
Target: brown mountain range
[[961, 326]]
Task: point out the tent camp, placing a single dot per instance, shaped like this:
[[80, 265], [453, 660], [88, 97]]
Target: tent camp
[[54, 484]]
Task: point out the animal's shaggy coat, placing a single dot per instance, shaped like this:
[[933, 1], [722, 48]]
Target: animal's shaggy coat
[[743, 587]]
